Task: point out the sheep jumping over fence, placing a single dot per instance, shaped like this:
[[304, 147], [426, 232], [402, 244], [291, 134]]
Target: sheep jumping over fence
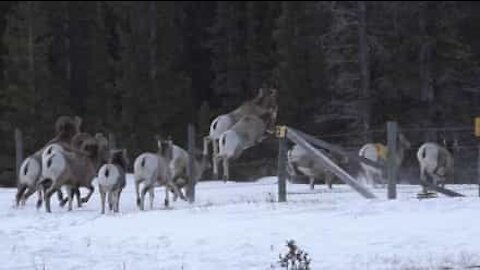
[[437, 162], [31, 168], [261, 104], [378, 152], [112, 180], [247, 132]]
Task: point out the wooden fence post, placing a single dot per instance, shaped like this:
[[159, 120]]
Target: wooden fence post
[[282, 163], [18, 151], [391, 159], [191, 156], [478, 170]]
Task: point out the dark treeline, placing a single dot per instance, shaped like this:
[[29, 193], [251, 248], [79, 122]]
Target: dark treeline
[[137, 69]]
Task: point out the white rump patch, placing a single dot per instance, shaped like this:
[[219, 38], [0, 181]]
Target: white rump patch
[[108, 175]]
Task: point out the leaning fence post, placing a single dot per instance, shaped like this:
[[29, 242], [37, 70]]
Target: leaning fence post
[[18, 151], [281, 132], [391, 159], [191, 153]]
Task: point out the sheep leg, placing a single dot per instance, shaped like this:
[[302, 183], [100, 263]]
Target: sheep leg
[[177, 192], [61, 200], [111, 200], [21, 190], [39, 199], [206, 141], [151, 192], [137, 190], [70, 192], [142, 197], [215, 158], [77, 194], [90, 192], [312, 183], [226, 173], [329, 180], [102, 199], [29, 193], [423, 178], [177, 189], [46, 197], [183, 195], [175, 195], [369, 178], [383, 179], [167, 195], [117, 200]]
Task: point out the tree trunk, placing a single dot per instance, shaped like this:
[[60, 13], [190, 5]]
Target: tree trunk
[[424, 59], [66, 38], [152, 16], [31, 48], [364, 69]]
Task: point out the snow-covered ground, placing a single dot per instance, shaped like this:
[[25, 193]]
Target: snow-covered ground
[[240, 226]]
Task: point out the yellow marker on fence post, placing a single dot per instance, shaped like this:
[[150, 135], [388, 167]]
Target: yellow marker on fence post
[[280, 131], [477, 126]]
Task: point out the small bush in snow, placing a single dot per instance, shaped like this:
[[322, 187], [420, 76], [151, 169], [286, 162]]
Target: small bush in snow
[[295, 259]]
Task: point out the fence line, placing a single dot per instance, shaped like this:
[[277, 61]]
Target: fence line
[[463, 129]]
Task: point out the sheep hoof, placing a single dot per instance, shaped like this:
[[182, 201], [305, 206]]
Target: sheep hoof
[[63, 202], [84, 200], [166, 203], [39, 204]]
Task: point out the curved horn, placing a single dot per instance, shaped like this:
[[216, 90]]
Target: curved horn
[[260, 95], [78, 123]]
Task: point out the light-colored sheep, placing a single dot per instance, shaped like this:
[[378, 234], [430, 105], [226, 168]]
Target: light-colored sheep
[[261, 104], [111, 179], [300, 161], [179, 169], [378, 152], [437, 162], [70, 169], [31, 168], [153, 169], [247, 132]]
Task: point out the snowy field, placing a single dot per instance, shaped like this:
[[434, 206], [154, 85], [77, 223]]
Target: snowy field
[[240, 226]]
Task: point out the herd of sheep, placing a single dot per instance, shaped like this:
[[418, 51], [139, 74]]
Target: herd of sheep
[[73, 159]]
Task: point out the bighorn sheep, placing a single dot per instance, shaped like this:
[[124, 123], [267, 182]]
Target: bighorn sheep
[[179, 169], [300, 161], [31, 168], [72, 169], [153, 170], [437, 162], [111, 179], [247, 132], [378, 152], [76, 143], [261, 104]]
